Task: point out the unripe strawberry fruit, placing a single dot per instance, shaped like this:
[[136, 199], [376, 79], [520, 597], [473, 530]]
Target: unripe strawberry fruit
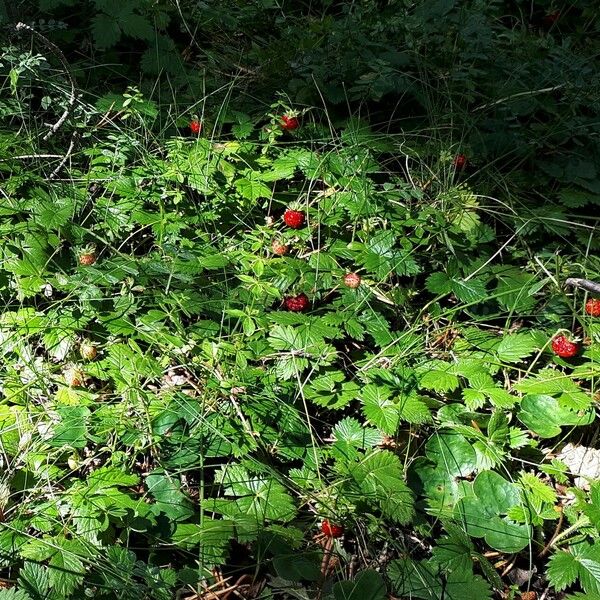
[[331, 529], [352, 280], [293, 218], [279, 248], [87, 258], [289, 123], [195, 126], [297, 303], [460, 161], [73, 377], [592, 307], [87, 350], [564, 347]]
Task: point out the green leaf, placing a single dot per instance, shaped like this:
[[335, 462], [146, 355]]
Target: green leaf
[[379, 408], [367, 585], [251, 187], [438, 376], [582, 562], [351, 432], [554, 383], [592, 509], [422, 579], [66, 571], [545, 416], [136, 26], [439, 283], [454, 551], [413, 410], [516, 347], [484, 387], [574, 198], [122, 564], [106, 477], [243, 130], [11, 424], [588, 559], [283, 167], [452, 453], [212, 536], [34, 579], [539, 491], [71, 430], [166, 490], [482, 513], [298, 566], [514, 288], [563, 570], [106, 31], [15, 594], [415, 579], [473, 290], [264, 499], [380, 477]]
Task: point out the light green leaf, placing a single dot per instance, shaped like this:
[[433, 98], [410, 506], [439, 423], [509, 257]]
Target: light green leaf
[[423, 579], [66, 572], [516, 347], [413, 410], [473, 290], [34, 579], [537, 488], [166, 490], [351, 432], [379, 408], [14, 594], [438, 376]]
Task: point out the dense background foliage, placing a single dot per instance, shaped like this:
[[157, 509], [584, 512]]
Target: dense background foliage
[[169, 428]]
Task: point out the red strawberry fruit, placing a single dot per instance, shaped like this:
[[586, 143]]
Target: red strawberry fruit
[[294, 218], [592, 307], [551, 18], [331, 529], [460, 161], [564, 347], [195, 126], [289, 123], [352, 280], [297, 303], [87, 258], [279, 248]]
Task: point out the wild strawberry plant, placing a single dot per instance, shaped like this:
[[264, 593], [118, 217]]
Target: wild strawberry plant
[[313, 365]]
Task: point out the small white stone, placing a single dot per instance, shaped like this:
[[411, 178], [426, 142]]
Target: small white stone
[[583, 462]]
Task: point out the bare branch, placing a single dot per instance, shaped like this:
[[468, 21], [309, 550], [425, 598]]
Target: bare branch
[[585, 284]]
